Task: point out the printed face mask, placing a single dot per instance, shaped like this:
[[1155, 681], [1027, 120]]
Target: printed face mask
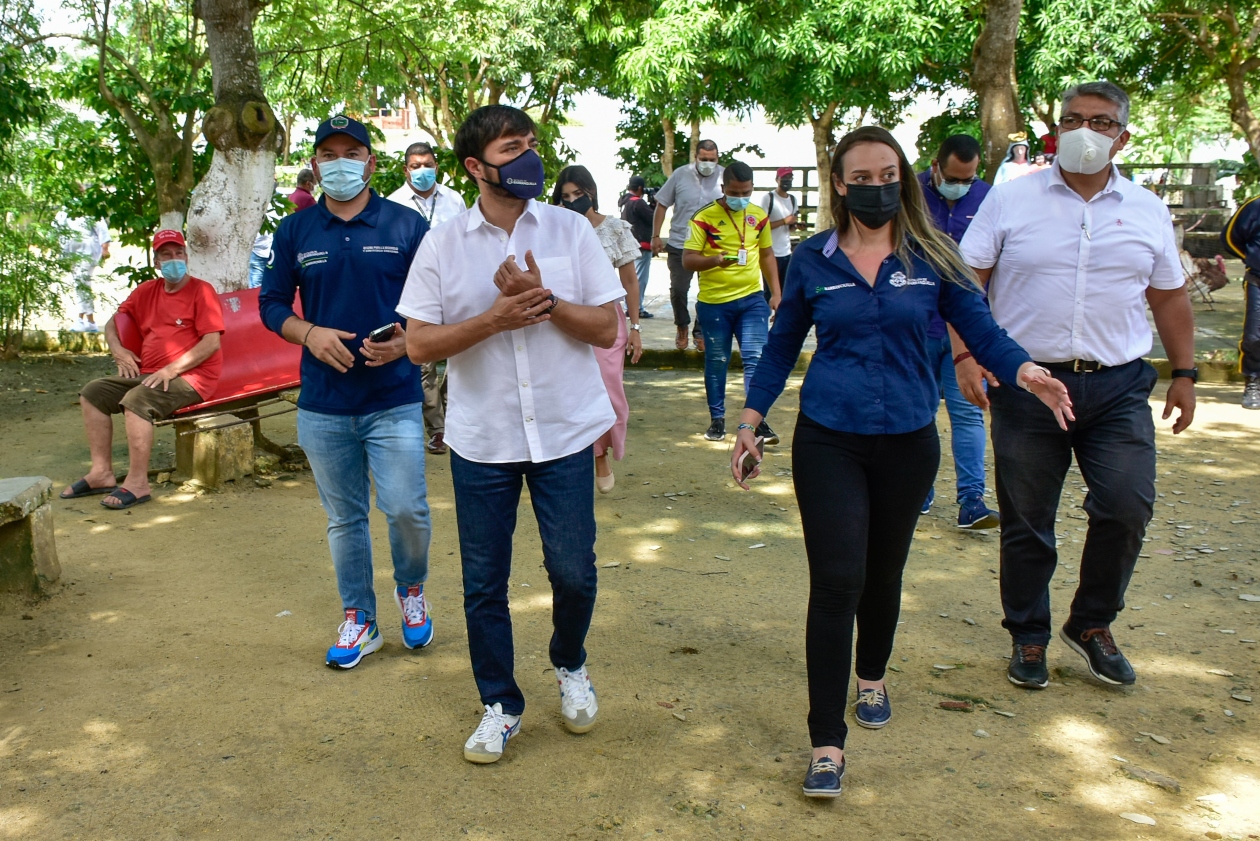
[[522, 176], [423, 178], [737, 203], [174, 270], [706, 168], [1084, 151], [874, 205], [342, 179], [579, 205]]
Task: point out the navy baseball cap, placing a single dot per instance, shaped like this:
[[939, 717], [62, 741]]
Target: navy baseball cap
[[342, 124], [637, 182]]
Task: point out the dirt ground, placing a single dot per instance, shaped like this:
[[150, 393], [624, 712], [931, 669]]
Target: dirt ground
[[174, 686]]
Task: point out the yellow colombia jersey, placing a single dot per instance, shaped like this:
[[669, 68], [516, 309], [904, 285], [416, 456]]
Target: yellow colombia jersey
[[717, 230]]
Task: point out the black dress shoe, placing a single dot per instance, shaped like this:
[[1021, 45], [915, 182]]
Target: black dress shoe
[[1028, 666], [1099, 649]]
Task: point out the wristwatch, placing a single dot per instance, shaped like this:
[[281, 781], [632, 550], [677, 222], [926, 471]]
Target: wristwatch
[[554, 303], [636, 328], [1190, 373]]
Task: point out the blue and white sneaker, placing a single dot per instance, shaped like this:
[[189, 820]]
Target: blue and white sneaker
[[487, 742], [873, 708], [927, 503], [974, 515], [823, 778], [417, 627], [578, 706], [356, 638]]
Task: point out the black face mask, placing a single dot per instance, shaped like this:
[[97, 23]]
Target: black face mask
[[578, 205], [785, 184], [873, 205]]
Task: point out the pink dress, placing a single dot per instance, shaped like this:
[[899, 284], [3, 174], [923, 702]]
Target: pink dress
[[622, 248]]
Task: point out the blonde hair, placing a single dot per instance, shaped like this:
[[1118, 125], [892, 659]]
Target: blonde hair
[[913, 228]]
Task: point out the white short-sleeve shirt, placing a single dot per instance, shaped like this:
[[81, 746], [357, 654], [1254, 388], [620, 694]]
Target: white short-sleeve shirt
[[533, 394], [442, 206], [1070, 276]]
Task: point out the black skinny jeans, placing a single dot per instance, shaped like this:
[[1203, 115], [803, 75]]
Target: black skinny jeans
[[859, 497]]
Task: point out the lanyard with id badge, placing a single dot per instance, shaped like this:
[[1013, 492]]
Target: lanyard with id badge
[[742, 255]]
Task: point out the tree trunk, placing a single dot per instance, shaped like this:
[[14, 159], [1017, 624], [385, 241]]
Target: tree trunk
[[667, 157], [824, 142], [695, 136], [993, 79], [1240, 107], [231, 201]]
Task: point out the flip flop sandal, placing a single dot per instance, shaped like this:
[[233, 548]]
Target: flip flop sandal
[[126, 499], [80, 488]]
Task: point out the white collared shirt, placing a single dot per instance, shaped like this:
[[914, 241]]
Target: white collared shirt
[[533, 394], [1070, 276], [445, 204]]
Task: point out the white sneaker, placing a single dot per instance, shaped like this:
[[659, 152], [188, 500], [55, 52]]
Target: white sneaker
[[577, 700], [487, 742]]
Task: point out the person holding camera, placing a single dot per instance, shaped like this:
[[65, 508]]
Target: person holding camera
[[360, 415], [637, 207]]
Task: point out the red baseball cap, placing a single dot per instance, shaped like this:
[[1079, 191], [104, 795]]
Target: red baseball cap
[[161, 238], [782, 171]]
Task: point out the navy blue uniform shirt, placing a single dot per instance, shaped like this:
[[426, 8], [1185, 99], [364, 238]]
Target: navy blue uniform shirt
[[952, 220], [871, 373], [1242, 235], [350, 276]]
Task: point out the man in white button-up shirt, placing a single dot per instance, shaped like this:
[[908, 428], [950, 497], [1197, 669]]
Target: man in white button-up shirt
[[437, 203], [514, 293], [1072, 256]]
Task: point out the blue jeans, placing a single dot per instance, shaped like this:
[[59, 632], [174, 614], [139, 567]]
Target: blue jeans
[[966, 422], [747, 319], [344, 451], [1113, 439], [257, 265], [643, 268], [486, 499]]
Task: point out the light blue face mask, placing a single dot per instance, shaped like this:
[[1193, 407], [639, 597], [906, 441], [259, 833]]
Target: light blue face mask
[[342, 179], [738, 203], [952, 192], [423, 178], [174, 270]]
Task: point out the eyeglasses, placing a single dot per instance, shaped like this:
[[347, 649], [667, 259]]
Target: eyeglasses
[[959, 181], [1100, 124]]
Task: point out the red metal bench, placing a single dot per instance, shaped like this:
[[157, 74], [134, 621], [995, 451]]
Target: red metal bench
[[258, 366]]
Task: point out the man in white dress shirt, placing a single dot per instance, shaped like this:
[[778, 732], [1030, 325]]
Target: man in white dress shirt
[[513, 293], [1072, 256], [437, 203]]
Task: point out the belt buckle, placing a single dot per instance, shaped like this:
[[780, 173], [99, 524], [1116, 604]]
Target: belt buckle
[[1076, 366]]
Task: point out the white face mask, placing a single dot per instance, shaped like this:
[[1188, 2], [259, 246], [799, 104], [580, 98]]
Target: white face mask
[[1084, 151], [706, 168]]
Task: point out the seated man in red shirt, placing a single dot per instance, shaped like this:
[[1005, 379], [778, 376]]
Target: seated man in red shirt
[[180, 319]]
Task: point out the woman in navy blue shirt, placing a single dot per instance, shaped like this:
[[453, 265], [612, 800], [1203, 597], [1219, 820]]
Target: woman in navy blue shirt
[[865, 449]]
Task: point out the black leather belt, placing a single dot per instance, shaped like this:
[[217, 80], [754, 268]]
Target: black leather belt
[[1076, 366]]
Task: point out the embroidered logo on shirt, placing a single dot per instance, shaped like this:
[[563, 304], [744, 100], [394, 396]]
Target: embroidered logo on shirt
[[821, 289], [179, 322], [380, 249], [312, 258], [899, 280], [750, 219]]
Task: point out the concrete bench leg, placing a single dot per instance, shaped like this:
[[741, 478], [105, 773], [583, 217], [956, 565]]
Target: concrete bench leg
[[28, 550], [210, 456]]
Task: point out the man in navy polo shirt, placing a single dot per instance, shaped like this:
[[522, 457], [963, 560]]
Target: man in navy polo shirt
[[360, 414], [953, 193]]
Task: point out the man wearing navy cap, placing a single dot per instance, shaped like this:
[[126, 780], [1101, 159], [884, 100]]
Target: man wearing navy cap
[[360, 414]]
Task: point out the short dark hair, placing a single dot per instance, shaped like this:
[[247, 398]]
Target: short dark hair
[[737, 171], [706, 145], [580, 177], [961, 147], [306, 176], [486, 125], [420, 148]]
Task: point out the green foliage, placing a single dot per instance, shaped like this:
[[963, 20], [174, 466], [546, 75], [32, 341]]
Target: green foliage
[[1168, 123], [961, 119], [643, 145], [32, 267], [23, 97], [1247, 171]]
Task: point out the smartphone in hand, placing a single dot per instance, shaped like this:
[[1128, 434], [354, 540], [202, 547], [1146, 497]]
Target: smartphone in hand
[[382, 334], [750, 462]]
